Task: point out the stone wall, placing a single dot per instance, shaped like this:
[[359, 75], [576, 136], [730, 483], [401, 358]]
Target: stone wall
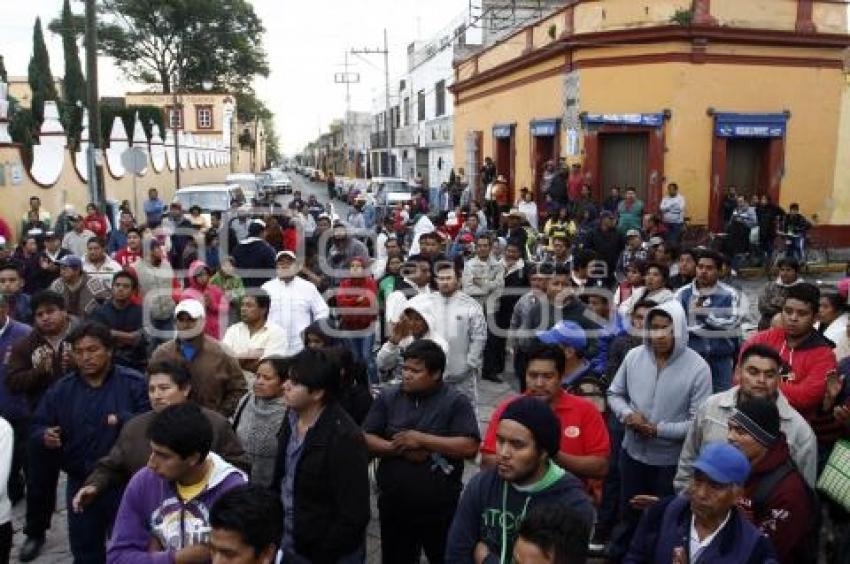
[[58, 176]]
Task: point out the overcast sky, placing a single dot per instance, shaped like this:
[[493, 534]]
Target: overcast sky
[[306, 44]]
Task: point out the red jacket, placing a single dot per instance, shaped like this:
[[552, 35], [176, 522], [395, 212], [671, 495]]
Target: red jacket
[[213, 298], [810, 362], [350, 291], [97, 224], [786, 515]]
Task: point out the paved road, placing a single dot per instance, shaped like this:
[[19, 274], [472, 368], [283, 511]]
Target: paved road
[[57, 550]]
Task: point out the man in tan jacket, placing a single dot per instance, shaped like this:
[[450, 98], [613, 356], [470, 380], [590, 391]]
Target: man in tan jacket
[[217, 379]]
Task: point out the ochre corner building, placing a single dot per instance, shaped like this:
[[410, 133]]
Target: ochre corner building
[[707, 93]]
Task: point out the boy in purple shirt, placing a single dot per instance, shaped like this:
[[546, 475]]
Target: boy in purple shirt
[[164, 514]]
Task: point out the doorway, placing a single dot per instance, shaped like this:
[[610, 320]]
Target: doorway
[[624, 159], [503, 158], [544, 149], [746, 160]]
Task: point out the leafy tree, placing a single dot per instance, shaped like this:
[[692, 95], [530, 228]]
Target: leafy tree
[[154, 40], [40, 78], [74, 88], [3, 76], [22, 129]]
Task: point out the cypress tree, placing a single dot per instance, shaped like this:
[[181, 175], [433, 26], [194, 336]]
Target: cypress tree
[[74, 87], [3, 76], [40, 78]]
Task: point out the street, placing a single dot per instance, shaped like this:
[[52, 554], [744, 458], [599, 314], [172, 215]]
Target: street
[[57, 549]]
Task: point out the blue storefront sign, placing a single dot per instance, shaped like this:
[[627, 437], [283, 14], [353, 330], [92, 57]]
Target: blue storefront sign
[[502, 131], [544, 127], [750, 125], [646, 120]]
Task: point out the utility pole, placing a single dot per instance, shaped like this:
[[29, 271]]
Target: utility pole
[[388, 121], [95, 170], [176, 116], [348, 79]]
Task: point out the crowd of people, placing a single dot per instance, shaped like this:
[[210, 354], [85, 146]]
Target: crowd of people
[[217, 389]]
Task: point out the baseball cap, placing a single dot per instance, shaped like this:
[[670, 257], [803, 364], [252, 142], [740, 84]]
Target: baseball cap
[[565, 333], [259, 222], [632, 233], [70, 261], [282, 254], [191, 307], [606, 213], [655, 241], [723, 464]]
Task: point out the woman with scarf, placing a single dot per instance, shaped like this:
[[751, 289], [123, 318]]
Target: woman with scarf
[[258, 418]]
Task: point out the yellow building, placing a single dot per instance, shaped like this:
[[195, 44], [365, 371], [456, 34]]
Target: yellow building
[[19, 89], [704, 93]]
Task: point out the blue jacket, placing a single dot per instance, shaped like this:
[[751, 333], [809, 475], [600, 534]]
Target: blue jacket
[[13, 407], [82, 412], [666, 526], [715, 328]]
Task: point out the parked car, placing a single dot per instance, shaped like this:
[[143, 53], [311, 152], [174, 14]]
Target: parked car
[[282, 185], [211, 197], [249, 183], [390, 191]]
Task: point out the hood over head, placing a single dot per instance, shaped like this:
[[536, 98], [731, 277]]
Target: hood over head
[[196, 267], [674, 310], [421, 307]]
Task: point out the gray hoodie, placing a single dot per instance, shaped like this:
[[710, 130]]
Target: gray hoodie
[[668, 398], [389, 356], [460, 320]]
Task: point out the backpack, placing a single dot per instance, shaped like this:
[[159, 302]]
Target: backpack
[[809, 550]]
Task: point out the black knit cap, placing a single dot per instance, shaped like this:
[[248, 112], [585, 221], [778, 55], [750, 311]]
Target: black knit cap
[[537, 417], [760, 418]]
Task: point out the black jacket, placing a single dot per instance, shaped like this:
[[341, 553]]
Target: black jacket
[[608, 246], [256, 259], [331, 487]]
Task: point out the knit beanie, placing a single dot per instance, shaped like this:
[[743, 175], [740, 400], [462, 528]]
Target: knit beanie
[[537, 417], [759, 418]]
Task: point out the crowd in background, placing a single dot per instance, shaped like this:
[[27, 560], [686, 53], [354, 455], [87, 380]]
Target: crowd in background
[[220, 384]]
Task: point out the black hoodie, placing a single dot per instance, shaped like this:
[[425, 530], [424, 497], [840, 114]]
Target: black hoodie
[[479, 514]]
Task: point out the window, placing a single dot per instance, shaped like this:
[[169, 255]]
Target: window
[[175, 117], [440, 91], [204, 117], [420, 103], [407, 111], [396, 118]]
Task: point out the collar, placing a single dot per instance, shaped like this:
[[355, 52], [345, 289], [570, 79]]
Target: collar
[[728, 400], [702, 544], [5, 326], [570, 378]]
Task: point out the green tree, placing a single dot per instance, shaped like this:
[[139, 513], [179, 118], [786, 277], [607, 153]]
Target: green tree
[[74, 87], [3, 76], [153, 41], [40, 77]]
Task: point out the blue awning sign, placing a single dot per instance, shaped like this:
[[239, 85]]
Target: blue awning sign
[[502, 131], [750, 125], [645, 120], [544, 128]]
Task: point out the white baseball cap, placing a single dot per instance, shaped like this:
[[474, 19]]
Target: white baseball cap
[[193, 308]]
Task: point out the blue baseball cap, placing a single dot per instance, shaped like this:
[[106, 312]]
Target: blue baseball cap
[[70, 261], [723, 464], [565, 333]]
